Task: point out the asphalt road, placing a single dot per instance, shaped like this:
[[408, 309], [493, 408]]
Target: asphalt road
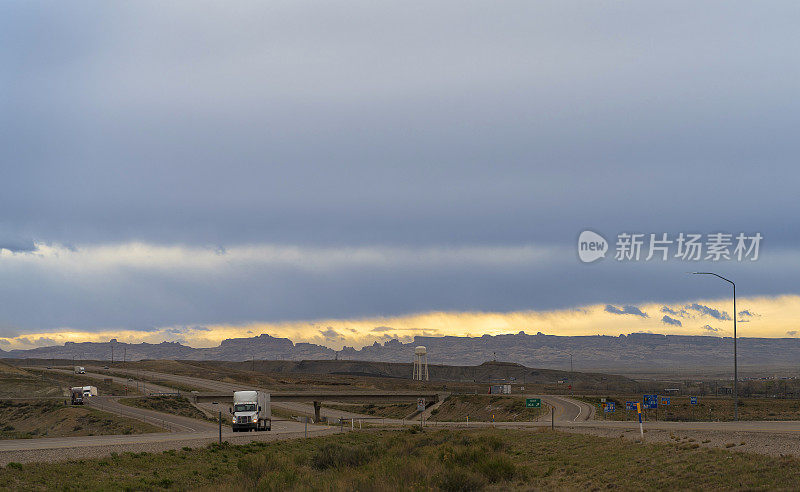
[[568, 413], [170, 422], [567, 409]]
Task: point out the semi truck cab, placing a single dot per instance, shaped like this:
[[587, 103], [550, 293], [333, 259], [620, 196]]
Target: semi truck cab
[[251, 411]]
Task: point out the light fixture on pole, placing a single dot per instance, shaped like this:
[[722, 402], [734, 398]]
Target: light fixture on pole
[[735, 365]]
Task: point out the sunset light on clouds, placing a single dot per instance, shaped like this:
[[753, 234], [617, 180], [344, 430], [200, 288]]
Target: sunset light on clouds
[[764, 317], [341, 176]]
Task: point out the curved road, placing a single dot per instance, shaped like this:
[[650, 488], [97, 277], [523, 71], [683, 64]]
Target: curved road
[[172, 423], [567, 409]]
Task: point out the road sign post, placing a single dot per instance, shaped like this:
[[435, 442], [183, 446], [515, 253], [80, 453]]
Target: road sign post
[[639, 411]]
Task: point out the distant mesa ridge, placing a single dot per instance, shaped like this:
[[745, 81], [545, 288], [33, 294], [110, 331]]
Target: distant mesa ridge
[[637, 350]]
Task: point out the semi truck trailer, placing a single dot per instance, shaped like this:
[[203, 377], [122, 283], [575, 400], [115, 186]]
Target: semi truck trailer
[[79, 394], [76, 395], [251, 411]]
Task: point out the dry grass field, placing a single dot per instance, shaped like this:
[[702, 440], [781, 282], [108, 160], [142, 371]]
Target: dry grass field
[[487, 459]]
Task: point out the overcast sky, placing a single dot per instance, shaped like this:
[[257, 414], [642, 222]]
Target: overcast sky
[[193, 163]]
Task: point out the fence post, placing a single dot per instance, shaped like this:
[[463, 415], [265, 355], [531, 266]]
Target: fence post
[[220, 426], [306, 427]]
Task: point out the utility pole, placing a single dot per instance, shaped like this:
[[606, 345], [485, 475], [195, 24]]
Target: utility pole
[[735, 364]]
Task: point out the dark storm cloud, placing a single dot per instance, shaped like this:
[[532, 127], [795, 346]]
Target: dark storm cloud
[[419, 125], [671, 321], [17, 245], [331, 335], [625, 310], [674, 312], [708, 311], [249, 132]]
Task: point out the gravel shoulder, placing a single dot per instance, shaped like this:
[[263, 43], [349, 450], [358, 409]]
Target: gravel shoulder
[[772, 444]]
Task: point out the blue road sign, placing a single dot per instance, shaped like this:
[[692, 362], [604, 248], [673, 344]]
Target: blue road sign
[[650, 401], [610, 407], [665, 400], [630, 405], [693, 400]]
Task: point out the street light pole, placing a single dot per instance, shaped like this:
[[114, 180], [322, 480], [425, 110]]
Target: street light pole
[[735, 365]]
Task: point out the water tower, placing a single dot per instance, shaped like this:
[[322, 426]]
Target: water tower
[[421, 364]]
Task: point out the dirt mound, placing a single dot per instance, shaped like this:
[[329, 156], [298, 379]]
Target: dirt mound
[[52, 418]]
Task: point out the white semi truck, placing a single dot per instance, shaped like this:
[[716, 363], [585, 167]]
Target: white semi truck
[[251, 411]]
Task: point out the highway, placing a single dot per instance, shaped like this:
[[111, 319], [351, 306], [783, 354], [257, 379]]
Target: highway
[[568, 413], [172, 423], [229, 388]]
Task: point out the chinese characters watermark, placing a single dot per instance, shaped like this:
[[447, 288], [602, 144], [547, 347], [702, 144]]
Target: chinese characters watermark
[[663, 246]]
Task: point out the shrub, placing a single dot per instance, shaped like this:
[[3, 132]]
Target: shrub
[[253, 468], [461, 480], [494, 442], [469, 456], [340, 456], [497, 468]]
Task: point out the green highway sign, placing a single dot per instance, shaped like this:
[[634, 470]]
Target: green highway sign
[[533, 403]]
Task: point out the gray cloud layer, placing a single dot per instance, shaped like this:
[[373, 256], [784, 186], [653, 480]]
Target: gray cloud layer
[[708, 311], [414, 125], [625, 310]]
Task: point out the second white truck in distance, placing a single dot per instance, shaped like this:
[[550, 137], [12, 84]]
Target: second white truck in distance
[[251, 411]]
